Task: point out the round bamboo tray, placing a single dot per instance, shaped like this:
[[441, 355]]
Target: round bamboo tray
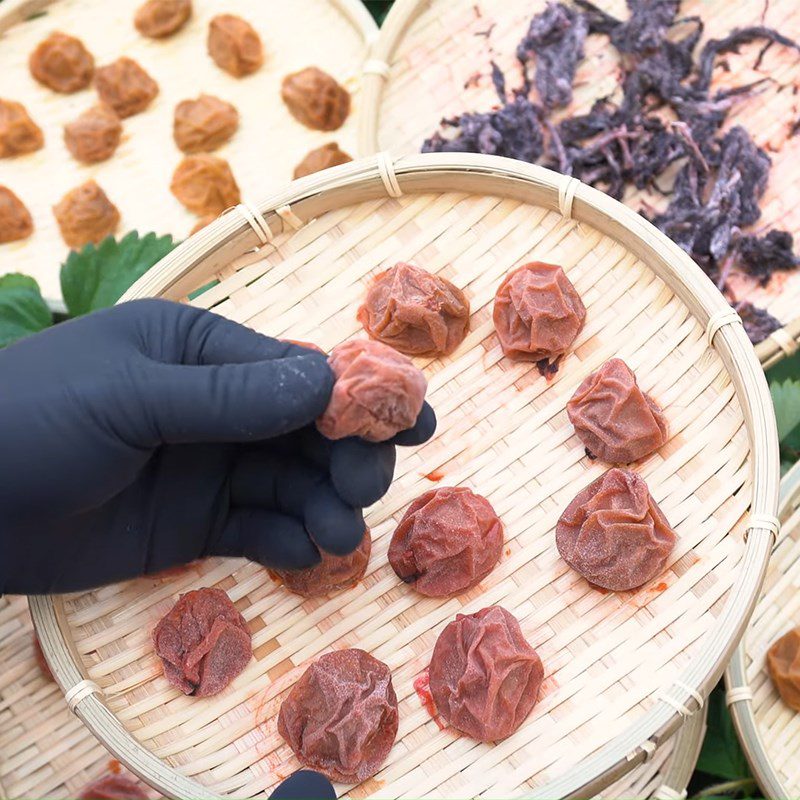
[[768, 728], [432, 60], [331, 34], [45, 751], [623, 670]]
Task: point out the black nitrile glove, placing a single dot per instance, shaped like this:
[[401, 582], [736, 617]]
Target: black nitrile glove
[[150, 434], [305, 785]]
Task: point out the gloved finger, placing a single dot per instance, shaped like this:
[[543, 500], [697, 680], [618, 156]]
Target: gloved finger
[[361, 472], [180, 334], [333, 525], [268, 537], [230, 403], [305, 785], [262, 478], [423, 429]]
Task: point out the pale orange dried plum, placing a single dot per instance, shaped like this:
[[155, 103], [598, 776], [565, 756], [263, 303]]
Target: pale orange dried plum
[[161, 18], [234, 45], [125, 86], [204, 124], [94, 135], [62, 63], [329, 155], [783, 665], [315, 99], [85, 214], [19, 134], [15, 219], [205, 184]]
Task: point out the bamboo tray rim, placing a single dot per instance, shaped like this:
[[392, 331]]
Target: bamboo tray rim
[[376, 73], [234, 233], [740, 703]]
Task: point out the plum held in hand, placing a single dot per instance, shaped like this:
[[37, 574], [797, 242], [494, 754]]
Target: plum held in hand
[[614, 418], [16, 222], [62, 63], [341, 716], [332, 574], [203, 642], [448, 540], [161, 18], [205, 184], [315, 99], [94, 135], [234, 45], [204, 124], [484, 676], [537, 313], [783, 665], [378, 392], [416, 312], [19, 134], [329, 155], [125, 86], [614, 534], [85, 214]]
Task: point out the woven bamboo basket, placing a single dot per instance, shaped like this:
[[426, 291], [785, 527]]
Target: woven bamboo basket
[[432, 60], [767, 728], [331, 34], [623, 670], [35, 764]]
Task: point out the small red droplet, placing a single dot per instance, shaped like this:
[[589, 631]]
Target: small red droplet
[[114, 767], [660, 587], [435, 476], [422, 686]]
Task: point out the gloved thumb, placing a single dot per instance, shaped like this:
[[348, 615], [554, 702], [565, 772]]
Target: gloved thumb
[[253, 401]]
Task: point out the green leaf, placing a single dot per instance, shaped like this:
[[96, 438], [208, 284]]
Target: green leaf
[[97, 276], [786, 399], [379, 9], [721, 755], [22, 309]]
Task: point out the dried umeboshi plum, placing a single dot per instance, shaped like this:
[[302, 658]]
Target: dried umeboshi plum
[[62, 63], [315, 98], [614, 418], [614, 534], [332, 574], [448, 540], [204, 124], [125, 86], [41, 661], [15, 219], [205, 184], [203, 642], [783, 665], [484, 675], [94, 135], [85, 214], [329, 155], [378, 392], [416, 312], [113, 787], [234, 45], [341, 716], [207, 219], [160, 18], [19, 134], [537, 312]]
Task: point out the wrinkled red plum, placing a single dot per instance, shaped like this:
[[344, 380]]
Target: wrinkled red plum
[[416, 312], [341, 716], [614, 534], [378, 392], [203, 642], [114, 787], [614, 418], [448, 540], [537, 312], [484, 676]]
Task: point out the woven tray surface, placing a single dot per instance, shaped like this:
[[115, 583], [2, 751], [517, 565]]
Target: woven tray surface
[[45, 751], [778, 610], [503, 432], [263, 152], [447, 46]]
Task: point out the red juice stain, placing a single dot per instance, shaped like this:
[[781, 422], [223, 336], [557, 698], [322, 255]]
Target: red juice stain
[[599, 588], [435, 476], [114, 767], [422, 686], [508, 552], [659, 587]]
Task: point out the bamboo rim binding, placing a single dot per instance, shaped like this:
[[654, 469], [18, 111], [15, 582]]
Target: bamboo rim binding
[[377, 72], [746, 707], [197, 259]]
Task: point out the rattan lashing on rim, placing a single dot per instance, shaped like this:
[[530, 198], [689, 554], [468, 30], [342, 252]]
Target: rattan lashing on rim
[[211, 249]]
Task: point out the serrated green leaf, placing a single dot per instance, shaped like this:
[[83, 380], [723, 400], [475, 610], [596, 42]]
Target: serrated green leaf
[[22, 309], [786, 399], [721, 755], [97, 276]]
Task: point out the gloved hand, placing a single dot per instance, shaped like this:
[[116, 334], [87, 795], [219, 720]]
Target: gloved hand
[[150, 434], [305, 785]]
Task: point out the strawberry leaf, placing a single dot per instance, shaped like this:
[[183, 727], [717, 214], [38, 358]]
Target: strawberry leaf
[[22, 309]]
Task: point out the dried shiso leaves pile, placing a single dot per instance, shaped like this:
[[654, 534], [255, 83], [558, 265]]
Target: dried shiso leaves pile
[[664, 126]]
